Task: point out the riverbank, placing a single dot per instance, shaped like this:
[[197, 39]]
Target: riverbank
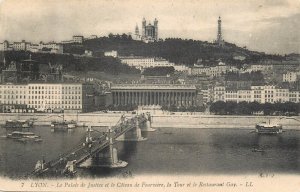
[[161, 120], [221, 121]]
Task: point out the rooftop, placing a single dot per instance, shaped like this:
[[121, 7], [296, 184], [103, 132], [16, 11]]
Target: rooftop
[[152, 86]]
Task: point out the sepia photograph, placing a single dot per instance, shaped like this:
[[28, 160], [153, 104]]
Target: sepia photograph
[[140, 95]]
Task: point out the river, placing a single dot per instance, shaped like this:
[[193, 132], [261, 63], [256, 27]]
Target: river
[[167, 151]]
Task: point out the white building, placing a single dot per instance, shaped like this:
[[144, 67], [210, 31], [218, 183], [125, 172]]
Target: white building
[[262, 68], [47, 96], [5, 46], [219, 93], [51, 47], [260, 94], [215, 71], [112, 53], [181, 68], [290, 76], [294, 96], [78, 39], [145, 62]]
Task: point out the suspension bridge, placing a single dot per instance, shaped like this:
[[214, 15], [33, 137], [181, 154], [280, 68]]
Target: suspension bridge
[[90, 148]]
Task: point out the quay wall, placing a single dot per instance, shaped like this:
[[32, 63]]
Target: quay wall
[[161, 120], [221, 121]]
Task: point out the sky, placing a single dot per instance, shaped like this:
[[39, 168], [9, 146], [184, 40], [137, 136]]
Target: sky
[[271, 26]]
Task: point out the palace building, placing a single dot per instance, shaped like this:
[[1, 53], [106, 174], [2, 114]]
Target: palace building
[[146, 94]]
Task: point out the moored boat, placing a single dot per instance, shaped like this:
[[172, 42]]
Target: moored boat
[[268, 128], [63, 125], [24, 136], [16, 124]]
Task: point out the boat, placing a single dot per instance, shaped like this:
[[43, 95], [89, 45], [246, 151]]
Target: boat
[[268, 128], [19, 123], [63, 125], [24, 136], [257, 150]]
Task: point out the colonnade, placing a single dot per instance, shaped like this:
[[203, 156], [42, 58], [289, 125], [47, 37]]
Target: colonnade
[[177, 98]]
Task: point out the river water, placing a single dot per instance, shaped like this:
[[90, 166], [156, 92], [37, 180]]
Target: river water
[[167, 151]]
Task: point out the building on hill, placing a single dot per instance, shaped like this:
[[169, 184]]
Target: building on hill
[[137, 36], [51, 73], [214, 71], [111, 53], [78, 39], [50, 47], [140, 62], [149, 31], [291, 76], [5, 46], [24, 71], [10, 73]]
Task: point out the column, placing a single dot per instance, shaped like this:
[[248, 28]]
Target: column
[[150, 99], [140, 98], [169, 98]]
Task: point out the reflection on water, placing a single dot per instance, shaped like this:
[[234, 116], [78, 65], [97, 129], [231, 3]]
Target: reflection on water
[[167, 151]]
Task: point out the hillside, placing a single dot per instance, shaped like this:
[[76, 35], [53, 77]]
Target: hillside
[[179, 51], [71, 63]]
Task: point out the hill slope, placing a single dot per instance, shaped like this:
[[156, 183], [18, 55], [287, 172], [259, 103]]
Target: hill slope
[[178, 51]]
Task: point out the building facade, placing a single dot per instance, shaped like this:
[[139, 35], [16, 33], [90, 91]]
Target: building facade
[[260, 94], [149, 31], [78, 39], [111, 53], [145, 62], [51, 47], [47, 96], [290, 77], [215, 71], [163, 95]]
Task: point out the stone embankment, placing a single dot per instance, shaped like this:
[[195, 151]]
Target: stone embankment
[[161, 120]]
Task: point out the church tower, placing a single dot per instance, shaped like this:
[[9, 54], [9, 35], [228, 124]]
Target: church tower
[[137, 32]]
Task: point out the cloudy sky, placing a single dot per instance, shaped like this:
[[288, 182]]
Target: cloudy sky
[[272, 26]]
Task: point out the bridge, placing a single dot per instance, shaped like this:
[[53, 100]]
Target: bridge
[[99, 148]]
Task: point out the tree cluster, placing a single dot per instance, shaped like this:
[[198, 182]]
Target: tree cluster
[[121, 107], [174, 108], [176, 50], [70, 62], [159, 71], [245, 108]]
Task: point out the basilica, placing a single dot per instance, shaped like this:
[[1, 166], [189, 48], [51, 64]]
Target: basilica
[[149, 31]]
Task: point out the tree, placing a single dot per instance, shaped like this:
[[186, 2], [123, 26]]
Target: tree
[[218, 107]]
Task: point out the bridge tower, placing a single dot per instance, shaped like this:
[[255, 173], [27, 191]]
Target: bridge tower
[[134, 134], [107, 157], [146, 127]]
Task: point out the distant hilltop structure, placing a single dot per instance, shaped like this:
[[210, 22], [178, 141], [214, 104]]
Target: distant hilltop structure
[[219, 41], [50, 47], [149, 31]]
